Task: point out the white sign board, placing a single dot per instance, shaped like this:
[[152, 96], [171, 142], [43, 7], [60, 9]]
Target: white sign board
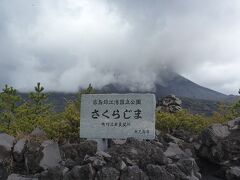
[[117, 116]]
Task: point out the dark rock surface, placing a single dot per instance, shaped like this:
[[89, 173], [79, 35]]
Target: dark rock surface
[[51, 155], [108, 173], [74, 154], [141, 153], [233, 173], [156, 172], [20, 177], [220, 145], [3, 172], [33, 156], [19, 149], [80, 172], [132, 160], [134, 173], [6, 144], [214, 155], [170, 104], [38, 132]]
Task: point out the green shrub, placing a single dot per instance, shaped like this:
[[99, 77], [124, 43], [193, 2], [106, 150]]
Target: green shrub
[[21, 117], [8, 105], [36, 112], [168, 122]]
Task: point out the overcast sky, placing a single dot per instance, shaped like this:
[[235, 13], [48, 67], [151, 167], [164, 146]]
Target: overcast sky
[[66, 44]]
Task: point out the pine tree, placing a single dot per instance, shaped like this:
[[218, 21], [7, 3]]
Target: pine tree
[[38, 101], [88, 90], [236, 108], [72, 114], [34, 112], [8, 105]]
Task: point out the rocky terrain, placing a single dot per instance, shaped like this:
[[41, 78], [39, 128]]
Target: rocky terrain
[[214, 154], [170, 104]]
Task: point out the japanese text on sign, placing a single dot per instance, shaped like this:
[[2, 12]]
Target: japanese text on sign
[[118, 116], [116, 101]]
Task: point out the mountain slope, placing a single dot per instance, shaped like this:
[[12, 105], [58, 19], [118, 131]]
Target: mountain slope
[[183, 87], [177, 85], [195, 98]]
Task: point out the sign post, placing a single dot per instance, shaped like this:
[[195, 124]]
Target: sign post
[[119, 116]]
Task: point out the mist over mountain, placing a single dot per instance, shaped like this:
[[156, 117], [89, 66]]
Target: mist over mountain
[[195, 98], [171, 84], [122, 46], [65, 44]]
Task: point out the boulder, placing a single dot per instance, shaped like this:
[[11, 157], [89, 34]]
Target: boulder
[[233, 173], [140, 153], [170, 104], [38, 132], [211, 135], [80, 172], [18, 164], [18, 150], [33, 156], [75, 153], [189, 167], [51, 155], [220, 144], [20, 177], [6, 145], [96, 161], [170, 138], [118, 141], [3, 172], [121, 165], [156, 172], [209, 177], [133, 173], [233, 124], [108, 173], [128, 161], [39, 157], [176, 171], [52, 174], [174, 151], [103, 155], [69, 163], [185, 135]]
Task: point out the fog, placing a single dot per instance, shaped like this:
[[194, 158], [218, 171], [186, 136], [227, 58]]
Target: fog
[[67, 44]]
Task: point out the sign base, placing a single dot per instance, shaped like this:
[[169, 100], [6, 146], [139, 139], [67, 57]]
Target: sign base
[[102, 144]]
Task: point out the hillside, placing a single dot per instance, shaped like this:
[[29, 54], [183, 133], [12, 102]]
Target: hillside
[[177, 85], [195, 98]]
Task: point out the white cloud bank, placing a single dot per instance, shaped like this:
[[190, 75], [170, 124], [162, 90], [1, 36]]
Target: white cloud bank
[[70, 43]]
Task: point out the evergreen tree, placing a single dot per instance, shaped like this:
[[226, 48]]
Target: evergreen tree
[[38, 101], [34, 112], [71, 114], [236, 108], [8, 105], [88, 90]]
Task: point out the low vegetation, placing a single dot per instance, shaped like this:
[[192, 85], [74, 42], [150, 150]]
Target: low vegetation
[[19, 117]]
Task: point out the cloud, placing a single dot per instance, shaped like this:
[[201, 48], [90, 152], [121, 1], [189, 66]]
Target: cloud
[[66, 44]]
